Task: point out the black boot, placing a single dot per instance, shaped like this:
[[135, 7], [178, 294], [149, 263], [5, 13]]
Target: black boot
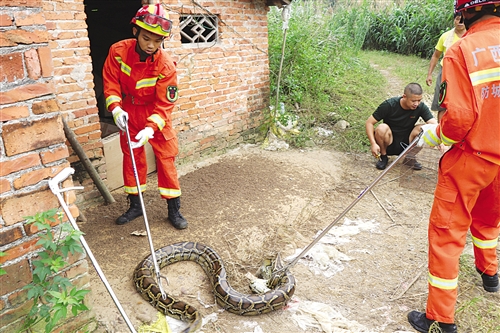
[[420, 322], [174, 215], [490, 282], [133, 212], [382, 163], [411, 161]]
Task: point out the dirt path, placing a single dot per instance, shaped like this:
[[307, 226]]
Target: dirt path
[[250, 204]]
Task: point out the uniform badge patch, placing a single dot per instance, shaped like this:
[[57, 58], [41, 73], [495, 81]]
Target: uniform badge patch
[[442, 92], [172, 93]]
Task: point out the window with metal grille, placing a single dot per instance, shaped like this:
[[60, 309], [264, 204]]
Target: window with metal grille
[[199, 29]]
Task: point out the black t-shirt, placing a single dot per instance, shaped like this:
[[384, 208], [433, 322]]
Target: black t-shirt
[[401, 121]]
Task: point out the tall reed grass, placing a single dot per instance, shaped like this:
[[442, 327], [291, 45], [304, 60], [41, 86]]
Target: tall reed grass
[[322, 74], [410, 29]]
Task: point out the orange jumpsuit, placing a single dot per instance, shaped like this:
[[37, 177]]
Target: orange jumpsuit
[[467, 194], [147, 91]]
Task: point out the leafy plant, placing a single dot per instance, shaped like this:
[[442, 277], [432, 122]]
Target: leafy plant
[[412, 28], [2, 271], [53, 294], [326, 71]]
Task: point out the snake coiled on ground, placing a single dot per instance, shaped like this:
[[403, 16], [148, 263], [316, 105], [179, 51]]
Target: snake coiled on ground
[[282, 285]]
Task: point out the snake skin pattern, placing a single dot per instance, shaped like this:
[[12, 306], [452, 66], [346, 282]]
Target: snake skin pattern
[[281, 286]]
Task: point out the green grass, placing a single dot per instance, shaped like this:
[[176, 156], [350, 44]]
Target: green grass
[[407, 68], [477, 311], [328, 75], [353, 97]]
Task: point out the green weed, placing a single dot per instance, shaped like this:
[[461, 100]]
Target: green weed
[[53, 294], [477, 310]]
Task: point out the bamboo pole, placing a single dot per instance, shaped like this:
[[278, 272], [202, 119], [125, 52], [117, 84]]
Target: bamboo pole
[[70, 135]]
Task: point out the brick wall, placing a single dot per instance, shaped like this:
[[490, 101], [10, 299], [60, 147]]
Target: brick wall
[[32, 149], [223, 88], [74, 87], [46, 74]]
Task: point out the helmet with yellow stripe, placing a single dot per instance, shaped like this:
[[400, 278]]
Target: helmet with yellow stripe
[[153, 18], [461, 5]]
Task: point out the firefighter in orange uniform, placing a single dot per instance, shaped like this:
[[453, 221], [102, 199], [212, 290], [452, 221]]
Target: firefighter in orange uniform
[[467, 195], [140, 87]]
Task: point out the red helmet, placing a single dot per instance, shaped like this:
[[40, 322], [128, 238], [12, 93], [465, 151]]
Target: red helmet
[[461, 5], [153, 18]]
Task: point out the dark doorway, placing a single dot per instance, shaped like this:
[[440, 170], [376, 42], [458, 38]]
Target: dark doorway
[[108, 21]]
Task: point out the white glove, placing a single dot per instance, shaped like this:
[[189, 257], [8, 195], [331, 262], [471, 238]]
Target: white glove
[[120, 117], [430, 136], [142, 137]]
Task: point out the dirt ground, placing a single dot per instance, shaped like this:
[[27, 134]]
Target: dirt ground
[[251, 203]]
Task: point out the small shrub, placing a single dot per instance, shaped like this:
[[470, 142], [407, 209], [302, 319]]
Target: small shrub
[[53, 294]]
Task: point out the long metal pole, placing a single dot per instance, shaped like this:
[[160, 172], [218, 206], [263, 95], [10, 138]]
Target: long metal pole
[[146, 223], [361, 195], [54, 187]]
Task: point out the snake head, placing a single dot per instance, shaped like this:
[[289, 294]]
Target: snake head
[[277, 273]]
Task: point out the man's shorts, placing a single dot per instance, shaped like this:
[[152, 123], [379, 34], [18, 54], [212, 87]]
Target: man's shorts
[[399, 143]]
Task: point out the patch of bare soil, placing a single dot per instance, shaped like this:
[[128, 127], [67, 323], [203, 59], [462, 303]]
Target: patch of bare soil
[[251, 204]]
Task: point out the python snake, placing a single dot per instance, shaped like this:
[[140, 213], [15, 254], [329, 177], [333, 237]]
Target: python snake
[[282, 285]]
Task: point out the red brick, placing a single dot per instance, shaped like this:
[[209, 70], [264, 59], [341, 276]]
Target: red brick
[[4, 42], [54, 154], [26, 92], [29, 18], [87, 129], [51, 15], [32, 64], [13, 112], [11, 67], [19, 36], [5, 20], [18, 164], [25, 3], [31, 229], [74, 271], [8, 236], [30, 135], [15, 208], [5, 185], [18, 275], [46, 64], [12, 315], [71, 25], [70, 6], [45, 106], [31, 178], [17, 298]]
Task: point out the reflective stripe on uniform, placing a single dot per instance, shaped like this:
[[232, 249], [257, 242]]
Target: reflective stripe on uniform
[[487, 75], [112, 99], [431, 140], [157, 120], [123, 66], [440, 283], [133, 189], [484, 244], [446, 140], [150, 82], [169, 192]]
